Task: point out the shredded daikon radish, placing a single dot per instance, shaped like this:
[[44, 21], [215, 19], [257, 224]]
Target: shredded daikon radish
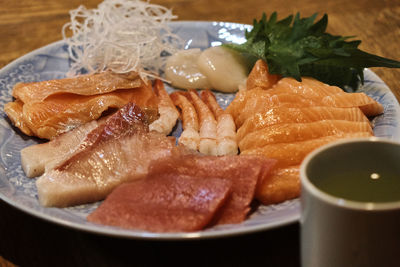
[[121, 36]]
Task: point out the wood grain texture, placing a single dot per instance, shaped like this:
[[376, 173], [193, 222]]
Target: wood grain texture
[[26, 25]]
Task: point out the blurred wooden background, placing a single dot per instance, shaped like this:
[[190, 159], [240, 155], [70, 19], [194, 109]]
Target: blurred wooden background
[[26, 25]]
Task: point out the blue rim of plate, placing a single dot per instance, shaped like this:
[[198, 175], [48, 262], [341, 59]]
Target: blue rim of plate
[[51, 62]]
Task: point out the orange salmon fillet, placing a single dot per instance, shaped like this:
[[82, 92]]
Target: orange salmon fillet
[[260, 76], [294, 132], [281, 115], [90, 84], [289, 92], [64, 110], [282, 184], [294, 152], [289, 119]]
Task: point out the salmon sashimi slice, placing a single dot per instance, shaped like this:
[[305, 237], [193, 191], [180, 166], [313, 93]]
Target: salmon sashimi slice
[[309, 87], [245, 173], [282, 184], [293, 153], [327, 95], [246, 103], [63, 112], [163, 204], [118, 151], [367, 105], [262, 102], [280, 115], [293, 132], [37, 158], [89, 84], [260, 76], [14, 111]]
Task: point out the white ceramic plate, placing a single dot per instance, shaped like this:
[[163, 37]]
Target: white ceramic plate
[[51, 62]]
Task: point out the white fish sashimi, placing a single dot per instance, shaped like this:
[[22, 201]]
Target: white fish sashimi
[[116, 152]]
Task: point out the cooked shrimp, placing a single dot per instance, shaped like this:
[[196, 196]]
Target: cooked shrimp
[[190, 123], [208, 125], [226, 129], [167, 110]]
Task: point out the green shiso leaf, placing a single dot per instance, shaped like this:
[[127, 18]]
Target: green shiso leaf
[[296, 47]]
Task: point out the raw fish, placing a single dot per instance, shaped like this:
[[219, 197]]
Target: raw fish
[[280, 115], [294, 132], [164, 204], [245, 173], [48, 109], [118, 151]]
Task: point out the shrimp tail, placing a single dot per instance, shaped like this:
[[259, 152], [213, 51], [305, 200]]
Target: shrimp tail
[[166, 108]]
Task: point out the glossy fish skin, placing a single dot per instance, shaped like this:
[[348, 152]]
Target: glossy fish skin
[[281, 115], [294, 132], [116, 152]]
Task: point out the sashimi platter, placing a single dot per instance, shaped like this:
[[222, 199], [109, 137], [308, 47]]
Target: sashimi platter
[[138, 126]]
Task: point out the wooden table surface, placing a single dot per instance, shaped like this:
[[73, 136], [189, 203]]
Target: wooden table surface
[[27, 241]]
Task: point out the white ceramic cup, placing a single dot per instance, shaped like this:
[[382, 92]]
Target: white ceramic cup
[[336, 232]]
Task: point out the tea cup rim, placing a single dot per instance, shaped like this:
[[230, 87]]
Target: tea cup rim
[[337, 201]]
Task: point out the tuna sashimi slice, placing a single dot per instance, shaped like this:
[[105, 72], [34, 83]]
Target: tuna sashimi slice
[[163, 203], [117, 151], [245, 172]]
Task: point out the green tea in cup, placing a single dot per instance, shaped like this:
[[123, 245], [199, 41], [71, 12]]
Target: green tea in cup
[[359, 172], [350, 204]]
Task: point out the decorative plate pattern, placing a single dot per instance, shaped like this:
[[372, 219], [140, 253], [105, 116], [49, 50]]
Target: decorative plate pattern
[[51, 62]]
